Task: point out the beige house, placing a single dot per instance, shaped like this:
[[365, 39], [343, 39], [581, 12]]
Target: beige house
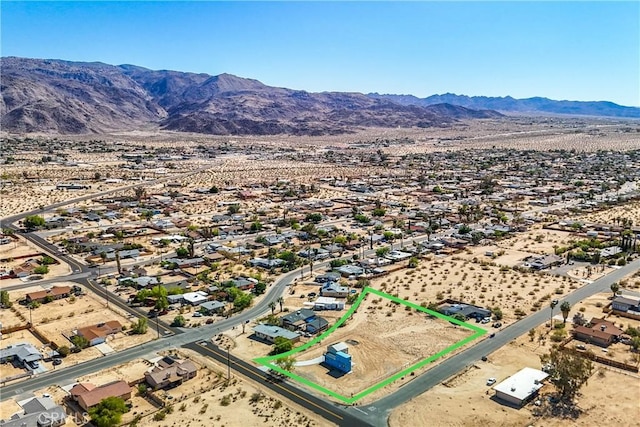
[[170, 373]]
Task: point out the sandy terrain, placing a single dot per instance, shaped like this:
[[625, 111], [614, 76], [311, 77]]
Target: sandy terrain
[[381, 327], [479, 282], [630, 210], [62, 316], [465, 400]]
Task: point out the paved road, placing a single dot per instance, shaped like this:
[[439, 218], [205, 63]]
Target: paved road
[[375, 414], [474, 354], [323, 407]]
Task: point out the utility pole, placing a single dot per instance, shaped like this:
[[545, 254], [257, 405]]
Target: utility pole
[[158, 324]]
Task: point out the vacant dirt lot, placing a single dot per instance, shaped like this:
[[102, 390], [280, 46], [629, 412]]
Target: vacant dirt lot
[[384, 338], [478, 282], [62, 316]]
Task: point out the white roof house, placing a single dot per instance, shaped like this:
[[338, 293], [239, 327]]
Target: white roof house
[[521, 386], [195, 298]]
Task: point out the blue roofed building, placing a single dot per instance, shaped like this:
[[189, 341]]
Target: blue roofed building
[[338, 357]]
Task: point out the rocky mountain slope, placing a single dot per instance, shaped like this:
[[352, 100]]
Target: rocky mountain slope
[[66, 97], [508, 104]]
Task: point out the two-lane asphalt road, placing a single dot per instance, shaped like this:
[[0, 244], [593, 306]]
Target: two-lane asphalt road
[[472, 355], [323, 407]]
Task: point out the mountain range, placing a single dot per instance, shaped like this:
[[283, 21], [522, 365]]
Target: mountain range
[[64, 97], [507, 104]]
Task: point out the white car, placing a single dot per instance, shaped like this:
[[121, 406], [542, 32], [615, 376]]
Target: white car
[[197, 314], [491, 381]]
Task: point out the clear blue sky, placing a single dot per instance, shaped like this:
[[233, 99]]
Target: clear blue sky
[[587, 51]]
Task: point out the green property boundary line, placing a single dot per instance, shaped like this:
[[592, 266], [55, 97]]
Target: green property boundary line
[[266, 361]]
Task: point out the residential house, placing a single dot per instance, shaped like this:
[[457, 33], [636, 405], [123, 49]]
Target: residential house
[[350, 270], [466, 310], [298, 319], [545, 262], [37, 412], [97, 334], [521, 387], [212, 307], [626, 306], [317, 325], [598, 331], [139, 282], [195, 298], [170, 373], [186, 262], [131, 253], [270, 333], [243, 283], [398, 256], [266, 263], [20, 354], [328, 277], [56, 292], [333, 289], [327, 303], [88, 395]]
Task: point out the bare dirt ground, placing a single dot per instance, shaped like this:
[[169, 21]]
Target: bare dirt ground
[[199, 402], [62, 316], [465, 400], [479, 282], [199, 405], [389, 338], [630, 210]]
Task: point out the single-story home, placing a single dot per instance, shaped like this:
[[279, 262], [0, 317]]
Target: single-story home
[[270, 333], [140, 282], [327, 303], [521, 387], [212, 307], [331, 276], [21, 353], [266, 263], [466, 310], [317, 325], [88, 395], [350, 270], [37, 412], [56, 292], [97, 334], [598, 331], [626, 305], [195, 298], [333, 289]]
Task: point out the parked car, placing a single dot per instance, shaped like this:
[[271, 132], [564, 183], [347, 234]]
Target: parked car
[[497, 324], [57, 361], [197, 314], [491, 381]]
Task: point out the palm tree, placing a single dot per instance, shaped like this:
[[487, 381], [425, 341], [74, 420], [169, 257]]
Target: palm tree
[[565, 307], [281, 302], [615, 287], [553, 305], [272, 306]]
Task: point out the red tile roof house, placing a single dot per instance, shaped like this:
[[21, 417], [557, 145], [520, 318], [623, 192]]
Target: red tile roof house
[[97, 334], [88, 395], [56, 292], [599, 331]]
